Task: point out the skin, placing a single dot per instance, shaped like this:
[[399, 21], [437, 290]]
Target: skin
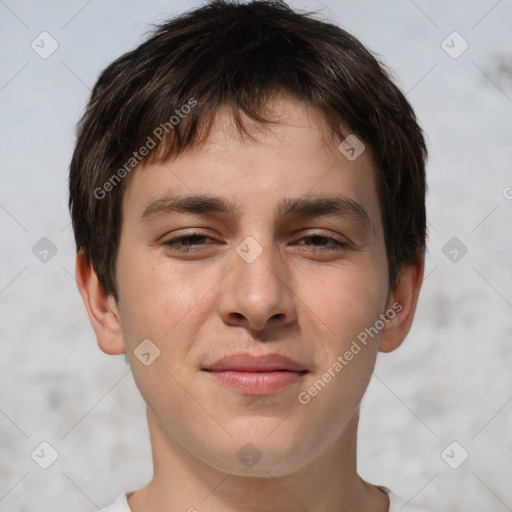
[[297, 298]]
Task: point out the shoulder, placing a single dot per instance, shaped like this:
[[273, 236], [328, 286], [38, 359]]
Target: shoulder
[[398, 505], [395, 505], [120, 505]]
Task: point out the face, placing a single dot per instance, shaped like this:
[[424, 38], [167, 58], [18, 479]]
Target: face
[[256, 251]]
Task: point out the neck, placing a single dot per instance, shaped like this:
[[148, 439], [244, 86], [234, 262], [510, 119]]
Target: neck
[[182, 481]]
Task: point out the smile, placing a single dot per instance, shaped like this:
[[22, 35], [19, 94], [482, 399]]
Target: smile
[[258, 383]]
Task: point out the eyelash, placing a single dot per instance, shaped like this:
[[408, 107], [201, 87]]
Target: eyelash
[[173, 243]]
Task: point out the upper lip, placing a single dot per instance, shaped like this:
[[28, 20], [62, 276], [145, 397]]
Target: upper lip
[[244, 362]]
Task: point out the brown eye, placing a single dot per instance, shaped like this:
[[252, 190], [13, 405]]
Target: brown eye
[[324, 242], [187, 243]]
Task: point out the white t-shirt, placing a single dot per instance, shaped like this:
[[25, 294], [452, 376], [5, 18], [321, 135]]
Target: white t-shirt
[[395, 504]]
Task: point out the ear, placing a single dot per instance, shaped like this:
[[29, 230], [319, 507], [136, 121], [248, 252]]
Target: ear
[[402, 305], [101, 307]]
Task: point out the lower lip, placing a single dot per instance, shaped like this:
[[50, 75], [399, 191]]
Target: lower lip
[[258, 383]]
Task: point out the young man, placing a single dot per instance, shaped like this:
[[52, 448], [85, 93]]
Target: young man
[[248, 200]]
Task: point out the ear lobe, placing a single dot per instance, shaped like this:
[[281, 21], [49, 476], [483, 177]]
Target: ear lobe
[[403, 301], [100, 306]]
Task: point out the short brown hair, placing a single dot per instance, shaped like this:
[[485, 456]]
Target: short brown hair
[[238, 55]]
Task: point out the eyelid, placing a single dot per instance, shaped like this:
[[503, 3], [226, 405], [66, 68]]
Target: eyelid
[[181, 233], [335, 242], [301, 233], [323, 233]]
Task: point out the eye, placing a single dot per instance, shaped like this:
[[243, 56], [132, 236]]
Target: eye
[[190, 242], [323, 242], [196, 241]]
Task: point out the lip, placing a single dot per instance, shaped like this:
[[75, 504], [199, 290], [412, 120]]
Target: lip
[[244, 362], [256, 375]]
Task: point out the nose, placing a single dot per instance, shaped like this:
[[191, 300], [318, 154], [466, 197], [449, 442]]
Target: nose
[[258, 294]]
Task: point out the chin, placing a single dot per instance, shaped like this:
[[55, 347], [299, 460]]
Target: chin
[[250, 461], [261, 454]]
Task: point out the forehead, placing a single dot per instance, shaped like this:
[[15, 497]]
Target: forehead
[[294, 156], [291, 122]]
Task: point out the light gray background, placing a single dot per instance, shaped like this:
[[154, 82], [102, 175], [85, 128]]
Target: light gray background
[[450, 381]]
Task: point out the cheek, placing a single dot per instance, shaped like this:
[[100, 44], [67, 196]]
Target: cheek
[[343, 307], [344, 301], [157, 295], [157, 300]]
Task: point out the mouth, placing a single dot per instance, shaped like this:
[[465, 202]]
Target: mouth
[[257, 375]]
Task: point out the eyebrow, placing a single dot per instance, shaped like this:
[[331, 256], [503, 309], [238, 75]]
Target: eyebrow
[[340, 206]]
